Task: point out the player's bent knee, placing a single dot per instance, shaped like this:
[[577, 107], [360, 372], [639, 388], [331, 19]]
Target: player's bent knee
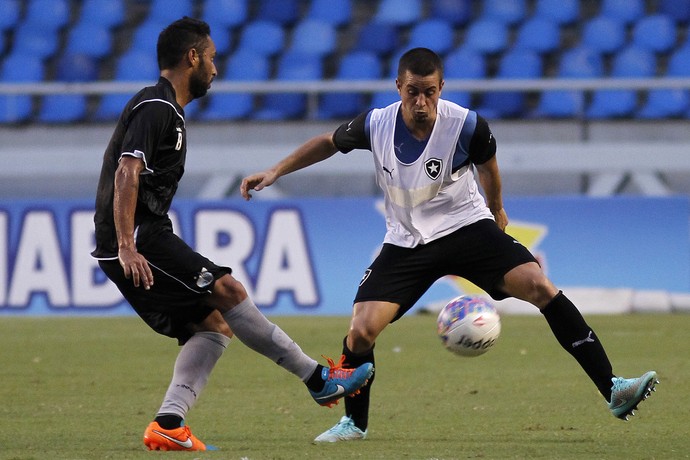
[[362, 338], [227, 292], [542, 292], [529, 283]]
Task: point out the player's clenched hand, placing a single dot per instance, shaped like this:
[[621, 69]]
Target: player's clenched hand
[[501, 218], [136, 267], [256, 182]]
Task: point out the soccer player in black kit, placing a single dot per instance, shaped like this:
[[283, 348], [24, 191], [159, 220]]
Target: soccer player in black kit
[[176, 291]]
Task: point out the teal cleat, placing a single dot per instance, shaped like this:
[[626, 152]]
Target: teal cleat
[[341, 382], [344, 430], [626, 394]]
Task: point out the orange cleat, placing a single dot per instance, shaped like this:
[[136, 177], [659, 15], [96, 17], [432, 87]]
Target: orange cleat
[[157, 438]]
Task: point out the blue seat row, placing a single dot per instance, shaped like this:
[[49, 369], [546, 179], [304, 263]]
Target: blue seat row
[[291, 40]]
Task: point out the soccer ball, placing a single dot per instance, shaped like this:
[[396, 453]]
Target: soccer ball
[[468, 325]]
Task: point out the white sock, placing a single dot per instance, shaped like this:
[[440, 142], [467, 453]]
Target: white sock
[[194, 364], [264, 337]]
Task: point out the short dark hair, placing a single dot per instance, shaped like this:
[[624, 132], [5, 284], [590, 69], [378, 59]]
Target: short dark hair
[[420, 61], [178, 38]]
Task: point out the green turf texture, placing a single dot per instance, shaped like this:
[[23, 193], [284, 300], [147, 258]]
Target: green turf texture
[[85, 388]]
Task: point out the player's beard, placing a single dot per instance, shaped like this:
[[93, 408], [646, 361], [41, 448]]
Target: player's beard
[[420, 117], [199, 82]]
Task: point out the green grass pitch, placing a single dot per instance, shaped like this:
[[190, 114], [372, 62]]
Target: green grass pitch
[[85, 388]]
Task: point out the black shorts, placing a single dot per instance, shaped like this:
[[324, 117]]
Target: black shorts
[[182, 280], [480, 253]]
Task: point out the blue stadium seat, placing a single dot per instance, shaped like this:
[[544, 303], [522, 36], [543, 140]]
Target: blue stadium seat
[[76, 68], [15, 108], [435, 34], [19, 68], [32, 40], [111, 106], [604, 34], [192, 109], [336, 12], [356, 65], [285, 106], [135, 65], [241, 66], [9, 18], [462, 63], [579, 62], [656, 33], [564, 12], [103, 13], [560, 104], [380, 38], [165, 11], [487, 36], [227, 14], [671, 102], [224, 17], [627, 11], [520, 64], [399, 12], [679, 10], [515, 64], [264, 37], [47, 15], [62, 108], [313, 37], [146, 35], [89, 39], [384, 98], [679, 63], [222, 38], [539, 34], [632, 62], [283, 12], [665, 103], [457, 12], [509, 12], [389, 70]]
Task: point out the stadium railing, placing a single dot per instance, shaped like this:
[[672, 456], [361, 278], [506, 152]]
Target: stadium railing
[[315, 88]]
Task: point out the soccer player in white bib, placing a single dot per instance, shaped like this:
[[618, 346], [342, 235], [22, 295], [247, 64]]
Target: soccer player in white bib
[[426, 151]]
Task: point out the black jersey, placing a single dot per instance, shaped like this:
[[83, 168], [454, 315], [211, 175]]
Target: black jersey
[[151, 127]]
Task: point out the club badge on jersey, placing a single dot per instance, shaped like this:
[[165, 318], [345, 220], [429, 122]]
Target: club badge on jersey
[[433, 168]]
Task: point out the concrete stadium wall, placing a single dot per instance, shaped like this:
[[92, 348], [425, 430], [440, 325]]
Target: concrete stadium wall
[[536, 158]]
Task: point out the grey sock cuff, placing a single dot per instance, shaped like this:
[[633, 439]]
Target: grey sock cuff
[[216, 337], [239, 310]]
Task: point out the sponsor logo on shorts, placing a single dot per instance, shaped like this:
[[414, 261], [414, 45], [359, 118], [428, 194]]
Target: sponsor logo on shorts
[[204, 279]]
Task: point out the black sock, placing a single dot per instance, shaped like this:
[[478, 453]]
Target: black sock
[[316, 382], [357, 407], [169, 421], [578, 339]]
